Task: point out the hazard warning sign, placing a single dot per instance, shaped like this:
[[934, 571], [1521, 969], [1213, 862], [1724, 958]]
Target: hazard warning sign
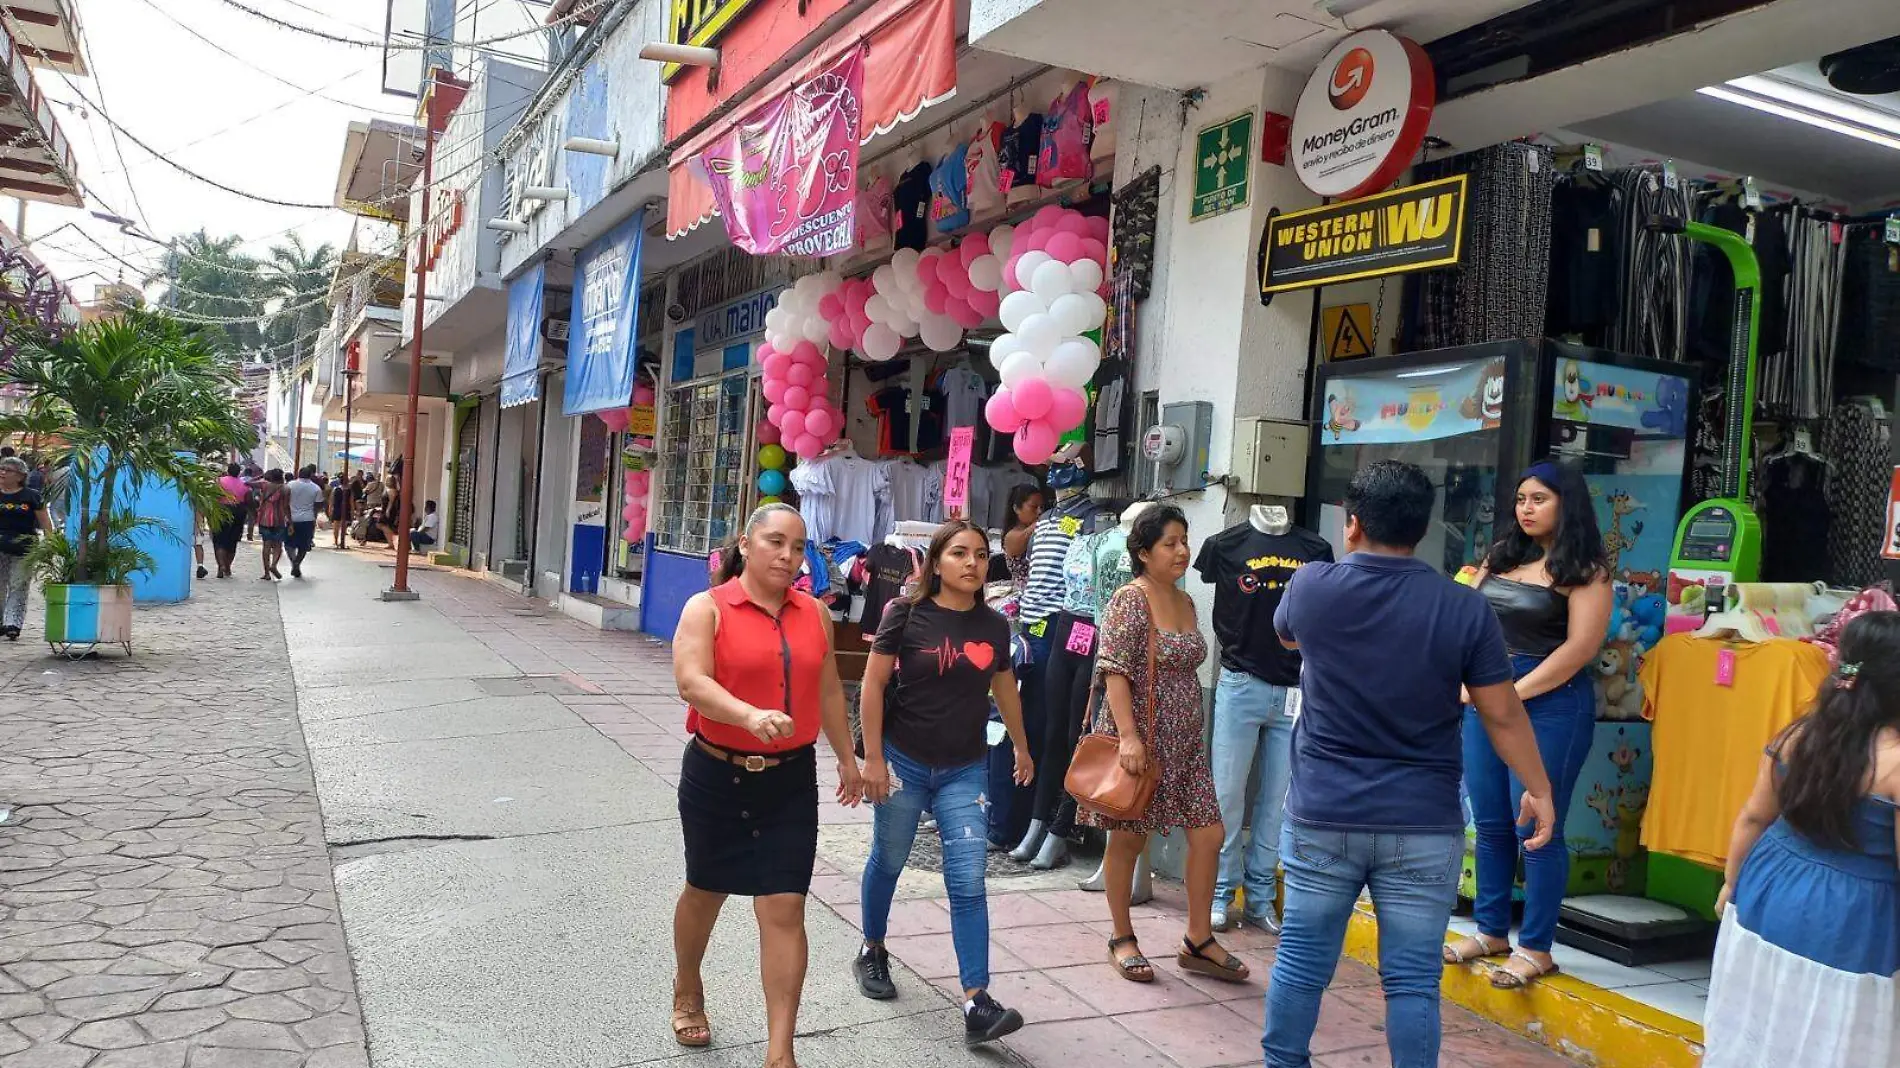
[[1346, 330]]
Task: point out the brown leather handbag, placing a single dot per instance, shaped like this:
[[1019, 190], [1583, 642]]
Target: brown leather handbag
[[1096, 778]]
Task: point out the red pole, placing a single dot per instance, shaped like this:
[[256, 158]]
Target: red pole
[[406, 500]]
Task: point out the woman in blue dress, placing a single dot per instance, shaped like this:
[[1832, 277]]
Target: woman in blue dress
[[1807, 968]]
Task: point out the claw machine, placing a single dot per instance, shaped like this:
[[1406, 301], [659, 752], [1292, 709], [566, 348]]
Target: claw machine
[[1474, 417]]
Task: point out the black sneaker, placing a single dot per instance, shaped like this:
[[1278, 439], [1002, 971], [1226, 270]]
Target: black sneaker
[[201, 571], [986, 1021], [873, 969]]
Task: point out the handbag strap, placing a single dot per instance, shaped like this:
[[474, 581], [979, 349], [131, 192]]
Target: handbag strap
[[1154, 639]]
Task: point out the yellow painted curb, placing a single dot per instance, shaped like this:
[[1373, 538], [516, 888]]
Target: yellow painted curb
[[1599, 1027]]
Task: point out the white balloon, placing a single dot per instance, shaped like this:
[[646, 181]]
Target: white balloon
[[904, 265], [905, 326], [1003, 347], [1001, 239], [986, 273], [1026, 267], [806, 284], [884, 280], [1019, 366], [1041, 334], [881, 343], [941, 333], [1087, 275], [828, 282], [1018, 306], [775, 319], [817, 330], [1073, 363], [1078, 313], [878, 309], [1051, 280]]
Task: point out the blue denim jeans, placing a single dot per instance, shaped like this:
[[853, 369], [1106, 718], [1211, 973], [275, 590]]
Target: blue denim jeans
[[956, 796], [1414, 883], [1565, 721], [1252, 738]]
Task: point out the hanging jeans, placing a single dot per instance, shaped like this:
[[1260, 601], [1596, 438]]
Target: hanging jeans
[[1413, 879], [1564, 721], [956, 797], [1252, 743], [1065, 698], [1009, 803], [13, 580]]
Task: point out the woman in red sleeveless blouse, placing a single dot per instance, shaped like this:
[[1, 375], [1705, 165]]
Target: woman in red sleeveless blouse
[[752, 658]]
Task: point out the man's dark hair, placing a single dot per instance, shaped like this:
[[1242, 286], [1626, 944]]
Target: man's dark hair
[[1393, 503], [5, 451], [428, 505], [232, 471]]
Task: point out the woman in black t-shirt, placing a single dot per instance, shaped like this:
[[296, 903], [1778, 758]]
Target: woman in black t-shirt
[[939, 656], [22, 517]]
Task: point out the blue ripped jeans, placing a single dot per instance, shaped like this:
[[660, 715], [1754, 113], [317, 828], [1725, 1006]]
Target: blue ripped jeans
[[1564, 721], [955, 796], [1252, 742]]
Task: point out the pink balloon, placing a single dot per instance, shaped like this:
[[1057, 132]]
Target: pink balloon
[[1009, 269], [1066, 409], [799, 374], [841, 337], [775, 414], [830, 306], [935, 298], [793, 425], [1048, 215], [1035, 442], [956, 280], [1065, 246], [775, 366], [806, 352], [766, 432], [820, 423], [1077, 224], [809, 448], [1000, 412], [1032, 396], [927, 266], [1098, 228], [775, 390], [1094, 249], [797, 399], [973, 246], [987, 303], [764, 353], [965, 315]]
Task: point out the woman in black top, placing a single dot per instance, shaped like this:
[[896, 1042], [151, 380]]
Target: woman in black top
[[22, 517], [939, 657], [1549, 582]]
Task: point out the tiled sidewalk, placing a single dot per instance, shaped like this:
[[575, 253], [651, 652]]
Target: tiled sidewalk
[[1049, 941]]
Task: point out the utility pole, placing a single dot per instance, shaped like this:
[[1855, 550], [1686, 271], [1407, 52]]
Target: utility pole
[[349, 434], [399, 589], [296, 450]]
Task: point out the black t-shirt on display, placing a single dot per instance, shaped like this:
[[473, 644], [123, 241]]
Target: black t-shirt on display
[[938, 710], [1022, 150], [1249, 570], [888, 569], [19, 520], [912, 198]]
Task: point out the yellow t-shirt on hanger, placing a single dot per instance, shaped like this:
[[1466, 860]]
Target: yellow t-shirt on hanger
[[1716, 705]]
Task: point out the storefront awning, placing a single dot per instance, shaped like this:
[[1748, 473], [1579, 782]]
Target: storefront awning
[[910, 63], [521, 363]]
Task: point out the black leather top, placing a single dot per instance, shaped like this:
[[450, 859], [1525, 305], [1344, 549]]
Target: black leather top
[[1536, 619]]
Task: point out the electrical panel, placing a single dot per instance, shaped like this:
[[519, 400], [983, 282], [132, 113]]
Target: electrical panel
[[1179, 444], [1270, 457]]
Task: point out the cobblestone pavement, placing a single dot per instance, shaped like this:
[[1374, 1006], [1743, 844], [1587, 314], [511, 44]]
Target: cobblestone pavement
[[165, 895]]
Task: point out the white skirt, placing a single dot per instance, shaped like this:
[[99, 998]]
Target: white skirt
[[1770, 1008]]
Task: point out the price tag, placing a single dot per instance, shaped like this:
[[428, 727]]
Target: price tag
[[1725, 668], [1081, 638], [1803, 439], [1593, 158], [1892, 231], [1751, 193], [1532, 159], [1039, 628], [1069, 525], [1670, 181], [1293, 703]]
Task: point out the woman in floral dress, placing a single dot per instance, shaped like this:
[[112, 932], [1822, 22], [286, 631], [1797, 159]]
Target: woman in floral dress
[[1154, 606]]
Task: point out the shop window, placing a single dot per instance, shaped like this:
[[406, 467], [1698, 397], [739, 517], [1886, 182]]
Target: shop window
[[705, 468]]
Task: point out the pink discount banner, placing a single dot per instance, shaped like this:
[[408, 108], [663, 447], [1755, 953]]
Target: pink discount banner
[[956, 473], [786, 178]]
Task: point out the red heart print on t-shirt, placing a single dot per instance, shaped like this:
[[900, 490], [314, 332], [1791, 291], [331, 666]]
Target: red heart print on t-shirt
[[980, 654]]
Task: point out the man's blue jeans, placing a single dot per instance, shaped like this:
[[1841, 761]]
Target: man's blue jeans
[[1413, 879], [1564, 721], [956, 797], [1252, 737]]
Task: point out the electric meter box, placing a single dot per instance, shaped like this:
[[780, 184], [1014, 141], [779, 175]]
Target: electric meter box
[[1181, 466], [1270, 457]]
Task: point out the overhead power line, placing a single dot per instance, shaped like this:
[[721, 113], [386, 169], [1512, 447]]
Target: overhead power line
[[579, 13]]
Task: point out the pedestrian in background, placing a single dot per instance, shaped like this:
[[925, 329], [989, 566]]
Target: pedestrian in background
[[940, 655], [236, 499], [1372, 803], [342, 497], [253, 478], [270, 511], [752, 658], [22, 519], [306, 496]]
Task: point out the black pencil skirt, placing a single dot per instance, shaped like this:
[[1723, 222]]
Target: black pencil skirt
[[749, 833]]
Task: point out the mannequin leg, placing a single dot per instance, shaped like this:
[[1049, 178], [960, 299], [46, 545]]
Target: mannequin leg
[[1053, 854], [1065, 670], [1143, 890]]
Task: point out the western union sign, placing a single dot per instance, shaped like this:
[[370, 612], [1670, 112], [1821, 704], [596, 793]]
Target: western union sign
[[1410, 229], [699, 22]]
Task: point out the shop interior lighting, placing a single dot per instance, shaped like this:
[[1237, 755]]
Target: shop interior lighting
[[1808, 115], [1807, 98]]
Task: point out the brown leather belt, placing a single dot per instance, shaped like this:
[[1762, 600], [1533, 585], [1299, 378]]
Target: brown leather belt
[[749, 761]]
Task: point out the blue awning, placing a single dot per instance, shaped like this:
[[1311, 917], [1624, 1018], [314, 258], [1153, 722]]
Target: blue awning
[[601, 349], [521, 366]]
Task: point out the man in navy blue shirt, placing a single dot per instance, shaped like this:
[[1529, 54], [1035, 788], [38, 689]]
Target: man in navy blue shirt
[[1387, 644]]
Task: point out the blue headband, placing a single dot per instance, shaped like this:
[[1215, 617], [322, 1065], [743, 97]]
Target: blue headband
[[1543, 471]]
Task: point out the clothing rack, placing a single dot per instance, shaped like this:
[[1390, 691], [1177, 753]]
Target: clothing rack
[[1653, 316]]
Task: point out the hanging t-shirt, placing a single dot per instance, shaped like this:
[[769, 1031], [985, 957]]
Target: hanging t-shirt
[[19, 520], [1022, 153], [950, 194], [964, 393], [891, 406], [1066, 131], [876, 212], [838, 496], [1716, 705], [1794, 519], [912, 199], [1003, 482], [888, 570], [938, 711], [907, 490], [1078, 576], [1249, 570], [984, 168], [1109, 402]]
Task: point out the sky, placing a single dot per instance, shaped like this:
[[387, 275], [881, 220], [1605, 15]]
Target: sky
[[219, 116]]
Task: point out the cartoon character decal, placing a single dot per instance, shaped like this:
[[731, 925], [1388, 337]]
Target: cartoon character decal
[[1671, 415], [1339, 408], [1617, 538], [1573, 394], [1486, 403]]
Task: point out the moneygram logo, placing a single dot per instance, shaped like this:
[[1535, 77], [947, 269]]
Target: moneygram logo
[[1351, 80]]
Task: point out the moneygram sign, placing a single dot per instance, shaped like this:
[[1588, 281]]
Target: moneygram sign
[[1363, 115]]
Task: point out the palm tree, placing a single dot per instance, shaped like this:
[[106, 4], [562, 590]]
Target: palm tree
[[207, 277], [296, 280], [132, 398]]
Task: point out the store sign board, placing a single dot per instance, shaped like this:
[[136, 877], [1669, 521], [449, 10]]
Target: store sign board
[[736, 321], [699, 23], [1410, 229], [1223, 167], [1363, 115]]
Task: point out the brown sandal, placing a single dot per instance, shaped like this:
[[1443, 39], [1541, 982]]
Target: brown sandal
[[1503, 978], [690, 1026], [1134, 967], [1480, 949], [1194, 958]]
